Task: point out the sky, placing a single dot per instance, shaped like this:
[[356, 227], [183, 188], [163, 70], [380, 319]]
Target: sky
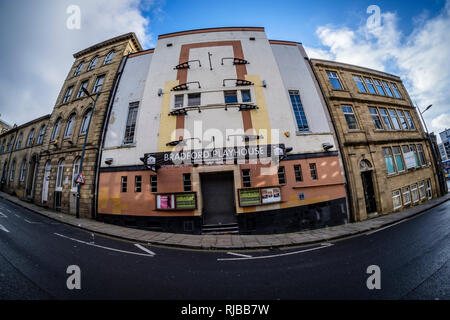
[[411, 39]]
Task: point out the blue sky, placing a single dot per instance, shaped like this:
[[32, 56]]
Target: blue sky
[[412, 41]]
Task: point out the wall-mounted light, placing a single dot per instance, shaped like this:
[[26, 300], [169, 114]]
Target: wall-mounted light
[[327, 146], [109, 161], [160, 92], [264, 83]]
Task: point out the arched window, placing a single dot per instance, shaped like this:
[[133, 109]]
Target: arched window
[[109, 57], [75, 171], [69, 126], [12, 171], [60, 175], [365, 165], [85, 122], [5, 171], [19, 141], [92, 63], [40, 138], [55, 130], [23, 169], [30, 137], [3, 146], [10, 144], [78, 69]]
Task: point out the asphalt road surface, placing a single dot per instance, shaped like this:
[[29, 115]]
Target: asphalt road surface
[[35, 252]]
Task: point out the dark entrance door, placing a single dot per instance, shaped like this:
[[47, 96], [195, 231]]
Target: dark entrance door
[[218, 198], [369, 192]]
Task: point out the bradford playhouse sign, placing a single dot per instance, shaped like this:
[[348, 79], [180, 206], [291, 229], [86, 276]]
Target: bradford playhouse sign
[[227, 155]]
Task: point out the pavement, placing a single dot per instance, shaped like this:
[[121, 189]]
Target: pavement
[[231, 242]]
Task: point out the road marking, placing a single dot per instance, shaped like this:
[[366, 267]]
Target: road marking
[[391, 225], [17, 215], [325, 245], [102, 247], [2, 215], [32, 222], [144, 249], [3, 228], [239, 254]]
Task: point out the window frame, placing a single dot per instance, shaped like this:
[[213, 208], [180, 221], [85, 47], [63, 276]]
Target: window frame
[[30, 138], [333, 75], [359, 83], [386, 156], [109, 57], [92, 63], [177, 104], [246, 178], [23, 168], [377, 115], [298, 173], [415, 190], [98, 87], [85, 121], [137, 184], [77, 70], [59, 180], [369, 84], [130, 125], [348, 115], [396, 194], [68, 131], [281, 175], [153, 183], [187, 182], [123, 184], [80, 93], [406, 190], [41, 135], [301, 120], [192, 101], [68, 94], [313, 171], [230, 93]]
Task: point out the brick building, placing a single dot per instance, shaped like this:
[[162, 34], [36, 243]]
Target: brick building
[[388, 159]]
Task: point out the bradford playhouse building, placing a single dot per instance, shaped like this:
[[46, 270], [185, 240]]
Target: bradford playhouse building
[[221, 130]]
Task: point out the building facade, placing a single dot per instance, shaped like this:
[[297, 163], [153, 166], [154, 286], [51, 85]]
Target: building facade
[[94, 69], [19, 157], [387, 155], [4, 126], [444, 147], [220, 130]]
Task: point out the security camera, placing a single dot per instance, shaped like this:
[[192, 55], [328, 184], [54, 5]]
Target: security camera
[[109, 161], [327, 146]]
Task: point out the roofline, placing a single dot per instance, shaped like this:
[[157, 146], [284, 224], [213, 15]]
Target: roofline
[[140, 53], [26, 124], [356, 66], [285, 42], [206, 30], [127, 36], [5, 123]]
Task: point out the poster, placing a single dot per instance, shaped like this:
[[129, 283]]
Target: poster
[[185, 201], [410, 159], [271, 195], [249, 197], [165, 201]]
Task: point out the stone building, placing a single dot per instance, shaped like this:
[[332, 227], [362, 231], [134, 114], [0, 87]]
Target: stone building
[[19, 157], [4, 126], [387, 155], [95, 69]]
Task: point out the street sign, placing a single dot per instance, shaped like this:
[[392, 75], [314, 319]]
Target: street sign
[[80, 179]]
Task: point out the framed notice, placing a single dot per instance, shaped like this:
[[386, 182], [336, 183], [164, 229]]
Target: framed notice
[[176, 201], [185, 201], [249, 197], [270, 195], [410, 159]]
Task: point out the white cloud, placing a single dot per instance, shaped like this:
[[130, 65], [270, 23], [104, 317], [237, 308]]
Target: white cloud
[[40, 50], [420, 58]]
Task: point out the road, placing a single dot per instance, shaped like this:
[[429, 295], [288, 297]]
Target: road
[[35, 252]]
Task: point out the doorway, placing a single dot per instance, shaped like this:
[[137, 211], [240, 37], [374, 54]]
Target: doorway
[[369, 191], [218, 198], [31, 177]]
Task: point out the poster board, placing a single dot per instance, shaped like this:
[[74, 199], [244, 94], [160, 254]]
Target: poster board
[[176, 201]]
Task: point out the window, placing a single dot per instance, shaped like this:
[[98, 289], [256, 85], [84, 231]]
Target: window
[[123, 184], [386, 120], [403, 121], [78, 69], [109, 57], [10, 144], [389, 160], [193, 99], [398, 159], [370, 86], [298, 173], [23, 169], [406, 195], [313, 171], [137, 183], [40, 138], [92, 63], [230, 96], [85, 122], [429, 192], [380, 88], [281, 175], [414, 193], [60, 175], [300, 116], [410, 121], [413, 149], [131, 123], [19, 141], [246, 181], [396, 91], [98, 84], [179, 100], [360, 84], [246, 96], [421, 155], [3, 146], [75, 172], [67, 94], [397, 199], [69, 126], [187, 185], [422, 192], [394, 119], [12, 171], [350, 118], [334, 80], [30, 138], [154, 183], [376, 118], [55, 131], [80, 93], [387, 89]]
